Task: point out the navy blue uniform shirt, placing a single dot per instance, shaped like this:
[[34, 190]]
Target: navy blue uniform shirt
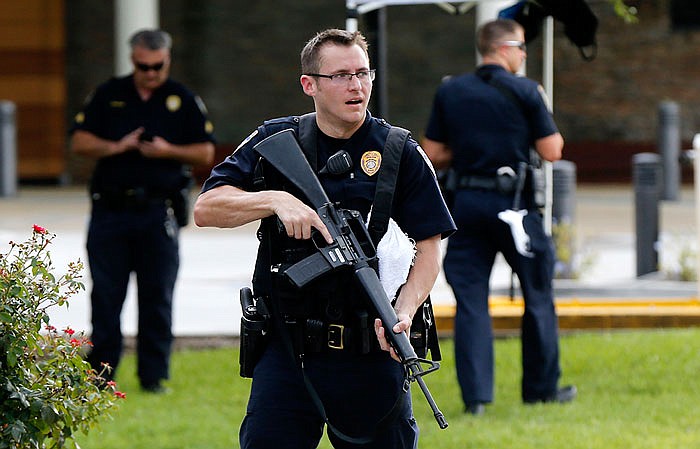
[[115, 109], [418, 206], [484, 128]]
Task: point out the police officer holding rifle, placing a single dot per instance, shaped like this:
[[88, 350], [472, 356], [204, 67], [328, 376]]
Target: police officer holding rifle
[[327, 355]]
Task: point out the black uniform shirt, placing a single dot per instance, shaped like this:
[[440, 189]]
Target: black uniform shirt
[[115, 109], [484, 128], [418, 206]]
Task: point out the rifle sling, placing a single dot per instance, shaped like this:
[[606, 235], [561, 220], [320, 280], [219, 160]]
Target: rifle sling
[[386, 183], [383, 423], [381, 212], [505, 91], [307, 138]]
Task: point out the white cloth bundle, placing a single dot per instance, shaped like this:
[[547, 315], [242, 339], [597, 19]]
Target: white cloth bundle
[[396, 252]]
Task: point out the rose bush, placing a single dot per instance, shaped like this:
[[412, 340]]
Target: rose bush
[[47, 391]]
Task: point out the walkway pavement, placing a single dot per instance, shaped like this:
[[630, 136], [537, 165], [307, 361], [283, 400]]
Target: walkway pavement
[[217, 263]]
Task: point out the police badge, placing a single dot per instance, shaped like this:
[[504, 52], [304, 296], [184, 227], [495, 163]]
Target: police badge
[[370, 162]]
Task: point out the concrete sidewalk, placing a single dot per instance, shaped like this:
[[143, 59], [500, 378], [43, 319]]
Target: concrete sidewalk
[[217, 263]]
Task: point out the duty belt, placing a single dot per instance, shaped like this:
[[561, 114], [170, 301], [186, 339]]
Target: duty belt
[[130, 199], [314, 336], [476, 182], [505, 181]]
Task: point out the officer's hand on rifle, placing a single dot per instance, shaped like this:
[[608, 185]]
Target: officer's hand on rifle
[[403, 325], [298, 218]]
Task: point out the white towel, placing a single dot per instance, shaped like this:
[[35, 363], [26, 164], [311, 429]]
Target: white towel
[[396, 253]]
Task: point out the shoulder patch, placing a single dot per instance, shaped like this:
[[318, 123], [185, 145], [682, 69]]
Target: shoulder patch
[[544, 96], [293, 119], [426, 159], [89, 98], [246, 140], [200, 104]]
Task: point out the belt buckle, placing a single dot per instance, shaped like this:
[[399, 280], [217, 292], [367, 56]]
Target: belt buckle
[[335, 336]]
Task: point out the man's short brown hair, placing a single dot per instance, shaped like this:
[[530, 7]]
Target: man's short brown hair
[[490, 33], [310, 54]]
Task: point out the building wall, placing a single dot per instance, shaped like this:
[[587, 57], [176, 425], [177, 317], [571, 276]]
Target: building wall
[[242, 57], [32, 49]]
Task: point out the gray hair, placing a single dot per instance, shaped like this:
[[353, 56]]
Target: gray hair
[[151, 39]]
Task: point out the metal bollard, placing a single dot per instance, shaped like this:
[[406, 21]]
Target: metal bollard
[[563, 191], [669, 147], [563, 215], [8, 149], [646, 173]]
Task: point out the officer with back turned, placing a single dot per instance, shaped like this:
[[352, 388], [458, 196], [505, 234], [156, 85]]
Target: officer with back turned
[[324, 335], [145, 130], [483, 125]]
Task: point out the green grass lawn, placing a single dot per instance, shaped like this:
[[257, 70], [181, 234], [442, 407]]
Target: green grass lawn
[[637, 390]]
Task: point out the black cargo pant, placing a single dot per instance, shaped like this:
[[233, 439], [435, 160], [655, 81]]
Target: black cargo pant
[[471, 253], [143, 241]]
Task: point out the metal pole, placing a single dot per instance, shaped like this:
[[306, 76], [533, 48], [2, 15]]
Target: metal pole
[[696, 169], [563, 214], [646, 171], [351, 16], [486, 12], [129, 17], [669, 147], [548, 85], [564, 191], [8, 149], [377, 37]]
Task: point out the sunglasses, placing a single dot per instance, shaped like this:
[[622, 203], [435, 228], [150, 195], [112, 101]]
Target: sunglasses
[[521, 45], [145, 67]]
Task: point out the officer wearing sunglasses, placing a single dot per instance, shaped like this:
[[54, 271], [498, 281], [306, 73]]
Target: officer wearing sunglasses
[[483, 126], [145, 131]]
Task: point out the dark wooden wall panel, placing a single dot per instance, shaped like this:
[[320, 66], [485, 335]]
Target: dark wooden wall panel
[[32, 75]]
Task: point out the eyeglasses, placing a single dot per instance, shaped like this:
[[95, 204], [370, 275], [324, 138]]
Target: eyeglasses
[[365, 76], [145, 67], [520, 44]]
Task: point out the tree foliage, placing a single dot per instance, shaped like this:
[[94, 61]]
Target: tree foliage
[[626, 13]]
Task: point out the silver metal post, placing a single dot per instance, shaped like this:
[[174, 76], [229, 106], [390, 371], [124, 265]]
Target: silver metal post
[[8, 149]]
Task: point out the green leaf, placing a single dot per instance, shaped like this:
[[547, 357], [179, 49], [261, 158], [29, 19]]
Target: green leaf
[[49, 414], [11, 359], [17, 429], [21, 397]]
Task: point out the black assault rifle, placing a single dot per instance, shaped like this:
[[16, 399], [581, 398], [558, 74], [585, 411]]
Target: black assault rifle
[[352, 248]]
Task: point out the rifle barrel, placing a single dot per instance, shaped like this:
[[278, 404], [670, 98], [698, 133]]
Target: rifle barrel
[[439, 417]]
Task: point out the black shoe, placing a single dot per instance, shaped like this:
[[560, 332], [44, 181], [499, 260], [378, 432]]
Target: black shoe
[[476, 408], [154, 388], [562, 396]]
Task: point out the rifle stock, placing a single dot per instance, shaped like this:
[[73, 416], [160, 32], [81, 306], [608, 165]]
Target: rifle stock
[[352, 248], [282, 150]]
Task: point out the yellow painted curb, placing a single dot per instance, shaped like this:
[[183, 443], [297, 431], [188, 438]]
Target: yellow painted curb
[[588, 313]]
